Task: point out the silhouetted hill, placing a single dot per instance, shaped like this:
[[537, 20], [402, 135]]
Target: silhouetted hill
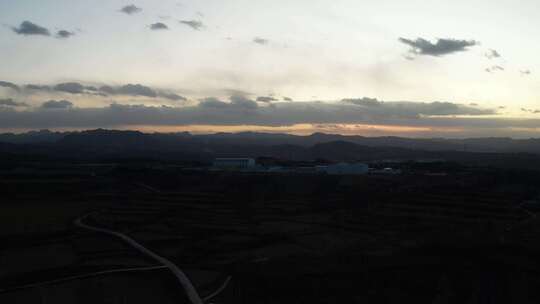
[[109, 137], [42, 136], [107, 145]]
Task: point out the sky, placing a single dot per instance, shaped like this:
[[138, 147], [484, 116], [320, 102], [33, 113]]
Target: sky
[[413, 68]]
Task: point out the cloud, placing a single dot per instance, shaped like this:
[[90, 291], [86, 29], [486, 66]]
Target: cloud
[[243, 102], [409, 57], [70, 87], [130, 9], [10, 85], [194, 24], [525, 72], [491, 54], [219, 113], [266, 99], [105, 90], [532, 111], [365, 101], [212, 102], [63, 34], [108, 89], [60, 104], [136, 90], [172, 96], [130, 90], [158, 26], [37, 87], [416, 109], [287, 99], [231, 92], [260, 41], [442, 47], [237, 102], [494, 68], [29, 28], [9, 102]]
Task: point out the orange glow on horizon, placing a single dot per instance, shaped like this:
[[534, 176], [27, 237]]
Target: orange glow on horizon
[[297, 129]]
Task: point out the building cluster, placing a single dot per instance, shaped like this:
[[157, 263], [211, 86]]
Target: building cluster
[[250, 165]]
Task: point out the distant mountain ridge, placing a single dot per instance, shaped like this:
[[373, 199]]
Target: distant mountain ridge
[[113, 146], [485, 145]]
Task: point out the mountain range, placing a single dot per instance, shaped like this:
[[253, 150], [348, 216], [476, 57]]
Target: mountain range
[[104, 144]]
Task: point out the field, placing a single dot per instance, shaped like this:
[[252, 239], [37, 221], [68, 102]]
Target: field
[[282, 238]]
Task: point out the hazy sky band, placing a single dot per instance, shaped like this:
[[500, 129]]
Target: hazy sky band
[[463, 52]]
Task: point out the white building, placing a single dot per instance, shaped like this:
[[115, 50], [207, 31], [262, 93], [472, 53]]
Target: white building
[[344, 169], [234, 163]]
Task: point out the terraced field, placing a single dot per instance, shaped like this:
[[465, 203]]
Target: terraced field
[[274, 235]]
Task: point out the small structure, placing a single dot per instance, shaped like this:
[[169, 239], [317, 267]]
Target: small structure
[[234, 163], [344, 169], [386, 171]]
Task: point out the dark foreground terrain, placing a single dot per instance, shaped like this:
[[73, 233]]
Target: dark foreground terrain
[[466, 235]]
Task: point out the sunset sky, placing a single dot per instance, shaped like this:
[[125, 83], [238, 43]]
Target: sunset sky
[[459, 68]]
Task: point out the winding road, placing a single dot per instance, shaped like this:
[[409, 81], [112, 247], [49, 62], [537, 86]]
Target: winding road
[[191, 292]]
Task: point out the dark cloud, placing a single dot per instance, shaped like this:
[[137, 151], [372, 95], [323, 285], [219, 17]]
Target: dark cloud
[[442, 47], [287, 99], [237, 102], [172, 96], [37, 87], [130, 90], [130, 9], [525, 72], [194, 24], [365, 101], [136, 90], [416, 109], [29, 28], [266, 99], [158, 26], [216, 112], [54, 104], [243, 102], [63, 34], [491, 54], [9, 102], [107, 89], [70, 87], [10, 85], [260, 40], [494, 68], [212, 102]]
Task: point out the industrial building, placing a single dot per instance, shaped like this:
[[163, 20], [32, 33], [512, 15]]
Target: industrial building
[[234, 163]]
